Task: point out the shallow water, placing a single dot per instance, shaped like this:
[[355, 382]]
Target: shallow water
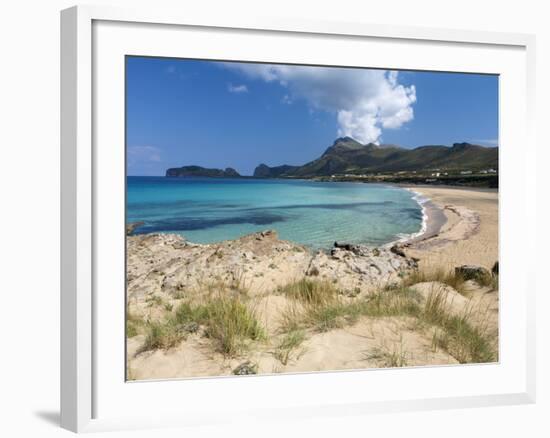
[[316, 214]]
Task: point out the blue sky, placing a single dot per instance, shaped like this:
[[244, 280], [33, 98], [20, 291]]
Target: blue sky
[[214, 114]]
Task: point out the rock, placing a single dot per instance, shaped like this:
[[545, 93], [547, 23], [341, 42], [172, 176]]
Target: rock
[[313, 271], [246, 368], [494, 269], [376, 252], [472, 272], [132, 226], [359, 250], [266, 234], [398, 250], [346, 246]]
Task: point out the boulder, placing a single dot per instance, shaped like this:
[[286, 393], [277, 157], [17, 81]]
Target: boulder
[[472, 272], [347, 246], [398, 250], [246, 368]]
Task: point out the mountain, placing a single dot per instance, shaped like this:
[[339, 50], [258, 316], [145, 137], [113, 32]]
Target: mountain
[[347, 155], [264, 171], [202, 171]]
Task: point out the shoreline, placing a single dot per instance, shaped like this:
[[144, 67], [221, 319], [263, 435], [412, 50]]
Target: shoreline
[[433, 219], [462, 227]]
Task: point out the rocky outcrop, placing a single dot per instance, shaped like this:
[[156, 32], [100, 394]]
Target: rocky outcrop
[[261, 262], [359, 267]]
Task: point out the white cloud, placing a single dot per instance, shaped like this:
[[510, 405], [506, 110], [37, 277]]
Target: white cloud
[[237, 88], [143, 154], [365, 101]]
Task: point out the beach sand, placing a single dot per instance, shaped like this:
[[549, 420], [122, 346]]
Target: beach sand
[[470, 234]]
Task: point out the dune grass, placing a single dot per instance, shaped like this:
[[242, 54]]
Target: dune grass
[[162, 335], [288, 344], [455, 333], [320, 306], [134, 324], [231, 323], [450, 278], [386, 357], [310, 291], [226, 318]]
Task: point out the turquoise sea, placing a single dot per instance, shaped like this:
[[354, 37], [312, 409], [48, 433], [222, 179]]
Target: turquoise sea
[[316, 214]]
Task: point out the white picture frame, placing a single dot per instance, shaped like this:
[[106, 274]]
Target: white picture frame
[[88, 394]]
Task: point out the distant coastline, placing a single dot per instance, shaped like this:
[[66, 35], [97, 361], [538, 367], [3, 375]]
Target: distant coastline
[[462, 164]]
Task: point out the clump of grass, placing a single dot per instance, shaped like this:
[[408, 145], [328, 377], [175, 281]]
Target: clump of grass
[[466, 342], [395, 357], [131, 330], [462, 340], [227, 319], [186, 313], [395, 302], [288, 344], [133, 324], [162, 335], [311, 291], [318, 306], [153, 300], [326, 317], [291, 319], [230, 322], [450, 278]]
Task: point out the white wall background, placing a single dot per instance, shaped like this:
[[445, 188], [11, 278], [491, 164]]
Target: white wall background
[[29, 214]]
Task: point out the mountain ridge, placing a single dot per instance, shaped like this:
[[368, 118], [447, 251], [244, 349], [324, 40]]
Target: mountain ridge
[[347, 155]]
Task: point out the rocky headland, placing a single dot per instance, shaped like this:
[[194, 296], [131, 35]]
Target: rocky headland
[[199, 171]]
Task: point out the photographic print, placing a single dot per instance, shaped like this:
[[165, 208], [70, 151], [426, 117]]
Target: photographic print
[[298, 218]]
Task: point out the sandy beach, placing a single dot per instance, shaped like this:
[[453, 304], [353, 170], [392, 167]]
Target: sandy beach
[[469, 235]]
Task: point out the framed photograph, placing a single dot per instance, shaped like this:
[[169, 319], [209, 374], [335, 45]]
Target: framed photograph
[[283, 219]]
